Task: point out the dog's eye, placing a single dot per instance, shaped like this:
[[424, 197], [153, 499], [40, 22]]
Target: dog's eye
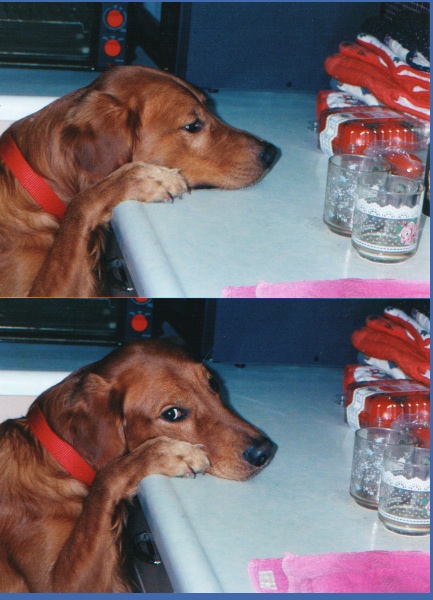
[[194, 127], [174, 413], [214, 384]]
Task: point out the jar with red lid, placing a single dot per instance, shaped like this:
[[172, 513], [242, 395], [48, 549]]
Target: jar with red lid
[[417, 423], [422, 433], [387, 385], [353, 130], [379, 405], [359, 373]]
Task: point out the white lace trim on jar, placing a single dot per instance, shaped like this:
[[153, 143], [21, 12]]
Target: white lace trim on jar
[[388, 212], [399, 481]]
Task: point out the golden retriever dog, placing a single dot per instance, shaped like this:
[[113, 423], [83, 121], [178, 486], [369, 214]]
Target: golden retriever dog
[[134, 133], [69, 467]]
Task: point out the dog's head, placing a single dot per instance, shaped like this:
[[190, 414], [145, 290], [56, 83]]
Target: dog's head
[[148, 389], [139, 113]]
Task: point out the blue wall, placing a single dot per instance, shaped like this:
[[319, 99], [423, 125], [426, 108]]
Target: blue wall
[[265, 45]]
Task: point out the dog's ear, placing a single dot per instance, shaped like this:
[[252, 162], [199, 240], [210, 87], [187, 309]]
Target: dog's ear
[[99, 132], [91, 418]]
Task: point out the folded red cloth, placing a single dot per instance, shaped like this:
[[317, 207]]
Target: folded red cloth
[[354, 50], [409, 78], [392, 326], [387, 346], [417, 327], [386, 326], [378, 81], [343, 572]]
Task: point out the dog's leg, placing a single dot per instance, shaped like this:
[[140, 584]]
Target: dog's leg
[[84, 564], [67, 270]]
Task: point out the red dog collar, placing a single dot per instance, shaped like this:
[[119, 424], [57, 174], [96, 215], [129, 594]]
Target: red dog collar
[[63, 452], [36, 186]]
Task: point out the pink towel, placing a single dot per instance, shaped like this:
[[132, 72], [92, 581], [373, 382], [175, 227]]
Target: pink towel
[[333, 288], [344, 572]]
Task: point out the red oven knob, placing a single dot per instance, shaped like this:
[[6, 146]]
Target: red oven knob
[[139, 323], [114, 18], [112, 48]]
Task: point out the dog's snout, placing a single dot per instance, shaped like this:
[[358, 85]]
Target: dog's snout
[[268, 155], [259, 453]]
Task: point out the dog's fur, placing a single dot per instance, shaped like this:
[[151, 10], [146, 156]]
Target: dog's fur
[[146, 408], [134, 133]]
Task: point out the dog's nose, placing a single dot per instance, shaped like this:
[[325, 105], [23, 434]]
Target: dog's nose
[[268, 155], [259, 453]]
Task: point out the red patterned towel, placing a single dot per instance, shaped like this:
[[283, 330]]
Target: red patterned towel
[[365, 65], [398, 338]]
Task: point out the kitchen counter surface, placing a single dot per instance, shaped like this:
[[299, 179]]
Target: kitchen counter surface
[[208, 529], [272, 231]]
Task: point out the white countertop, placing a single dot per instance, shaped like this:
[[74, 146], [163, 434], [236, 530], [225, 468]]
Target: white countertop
[[208, 529], [272, 231]]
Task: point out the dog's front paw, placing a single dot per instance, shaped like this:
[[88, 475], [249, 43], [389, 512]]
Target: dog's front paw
[[194, 459], [176, 458], [158, 456], [156, 184], [171, 182]]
